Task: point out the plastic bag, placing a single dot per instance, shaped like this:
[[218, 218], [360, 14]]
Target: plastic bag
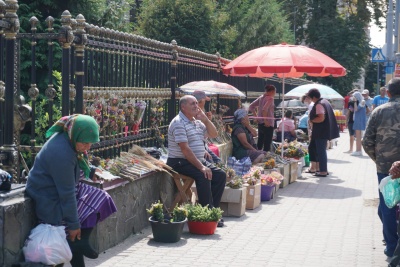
[[390, 189], [47, 244], [240, 167]]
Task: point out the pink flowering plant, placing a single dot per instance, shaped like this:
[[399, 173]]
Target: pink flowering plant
[[271, 179]]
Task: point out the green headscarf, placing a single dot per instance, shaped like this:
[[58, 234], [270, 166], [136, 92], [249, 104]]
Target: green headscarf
[[79, 128]]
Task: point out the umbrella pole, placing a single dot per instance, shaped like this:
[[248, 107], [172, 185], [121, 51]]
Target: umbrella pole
[[283, 112]]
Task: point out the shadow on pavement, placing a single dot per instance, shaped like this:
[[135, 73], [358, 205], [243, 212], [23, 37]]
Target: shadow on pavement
[[326, 191], [155, 244]]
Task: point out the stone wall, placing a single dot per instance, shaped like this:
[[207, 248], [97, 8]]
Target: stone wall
[[17, 215]]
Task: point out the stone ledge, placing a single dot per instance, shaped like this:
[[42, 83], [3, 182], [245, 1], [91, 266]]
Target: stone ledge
[[17, 215]]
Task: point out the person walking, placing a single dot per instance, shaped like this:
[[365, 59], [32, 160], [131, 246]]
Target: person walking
[[380, 99], [360, 121], [324, 128], [350, 123], [264, 107], [368, 102], [186, 134], [381, 143]]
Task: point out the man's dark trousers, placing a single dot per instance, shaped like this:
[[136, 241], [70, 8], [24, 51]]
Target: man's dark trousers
[[265, 134], [208, 192]]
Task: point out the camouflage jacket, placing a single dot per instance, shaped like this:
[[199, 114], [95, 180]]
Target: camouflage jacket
[[382, 136]]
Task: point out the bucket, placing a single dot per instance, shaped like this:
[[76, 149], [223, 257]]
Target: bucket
[[266, 192], [307, 160], [202, 228], [167, 232]]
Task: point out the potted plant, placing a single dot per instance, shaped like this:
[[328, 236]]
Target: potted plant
[[268, 184], [202, 220], [166, 228]]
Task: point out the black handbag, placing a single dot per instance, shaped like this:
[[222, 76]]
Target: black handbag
[[5, 181]]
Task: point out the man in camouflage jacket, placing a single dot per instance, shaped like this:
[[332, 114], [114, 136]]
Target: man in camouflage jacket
[[381, 142]]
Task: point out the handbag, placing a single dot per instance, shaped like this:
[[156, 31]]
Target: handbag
[[47, 244], [241, 166]]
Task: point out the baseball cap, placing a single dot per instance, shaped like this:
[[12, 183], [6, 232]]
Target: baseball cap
[[365, 92], [199, 95]]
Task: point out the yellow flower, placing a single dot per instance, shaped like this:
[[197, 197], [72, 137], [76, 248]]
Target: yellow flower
[[160, 110]]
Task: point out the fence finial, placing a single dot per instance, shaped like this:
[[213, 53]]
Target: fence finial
[[66, 36], [12, 18]]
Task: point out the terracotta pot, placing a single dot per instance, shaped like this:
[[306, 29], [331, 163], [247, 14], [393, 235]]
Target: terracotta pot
[[202, 228]]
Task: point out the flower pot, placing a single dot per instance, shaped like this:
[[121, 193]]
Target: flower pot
[[266, 192], [167, 232], [202, 228]]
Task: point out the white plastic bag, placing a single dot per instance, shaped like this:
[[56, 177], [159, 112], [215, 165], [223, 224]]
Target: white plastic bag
[[390, 189], [47, 244]]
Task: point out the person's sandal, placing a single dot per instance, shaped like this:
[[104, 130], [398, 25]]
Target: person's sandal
[[309, 171]]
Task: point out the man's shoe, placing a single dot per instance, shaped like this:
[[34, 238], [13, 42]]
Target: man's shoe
[[220, 223], [387, 253]]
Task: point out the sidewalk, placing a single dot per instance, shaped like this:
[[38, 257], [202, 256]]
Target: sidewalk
[[328, 221]]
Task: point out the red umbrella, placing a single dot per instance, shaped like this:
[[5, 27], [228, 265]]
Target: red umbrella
[[290, 61], [285, 61]]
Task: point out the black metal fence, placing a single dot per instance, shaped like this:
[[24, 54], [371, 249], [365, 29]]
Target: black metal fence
[[128, 83]]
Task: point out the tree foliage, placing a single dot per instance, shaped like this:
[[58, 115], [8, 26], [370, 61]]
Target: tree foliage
[[188, 22], [258, 23], [229, 27]]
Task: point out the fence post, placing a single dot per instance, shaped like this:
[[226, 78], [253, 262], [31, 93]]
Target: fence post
[[174, 62], [33, 91], [9, 154], [66, 38], [80, 41]]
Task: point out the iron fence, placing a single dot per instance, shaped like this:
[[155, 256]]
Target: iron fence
[[104, 73]]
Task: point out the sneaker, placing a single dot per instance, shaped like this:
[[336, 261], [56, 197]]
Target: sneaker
[[220, 223], [356, 153]]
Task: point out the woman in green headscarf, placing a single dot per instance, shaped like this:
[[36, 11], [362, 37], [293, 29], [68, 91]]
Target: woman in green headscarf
[[54, 186]]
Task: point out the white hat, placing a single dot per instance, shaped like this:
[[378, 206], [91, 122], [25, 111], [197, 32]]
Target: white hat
[[365, 92], [199, 95]]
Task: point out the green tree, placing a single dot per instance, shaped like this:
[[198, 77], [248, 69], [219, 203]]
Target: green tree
[[256, 23], [190, 23], [340, 36]]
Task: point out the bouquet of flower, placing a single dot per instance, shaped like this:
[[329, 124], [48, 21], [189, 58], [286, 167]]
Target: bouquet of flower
[[271, 179], [140, 107], [235, 183], [253, 176], [269, 164], [293, 149], [156, 120]]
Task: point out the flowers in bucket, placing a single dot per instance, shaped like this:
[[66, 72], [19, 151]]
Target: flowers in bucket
[[271, 179], [293, 149]]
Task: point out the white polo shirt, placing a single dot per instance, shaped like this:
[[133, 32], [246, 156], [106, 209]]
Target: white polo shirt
[[182, 130]]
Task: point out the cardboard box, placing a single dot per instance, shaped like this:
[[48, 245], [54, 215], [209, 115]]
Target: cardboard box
[[253, 197], [284, 169], [293, 170], [233, 201]]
